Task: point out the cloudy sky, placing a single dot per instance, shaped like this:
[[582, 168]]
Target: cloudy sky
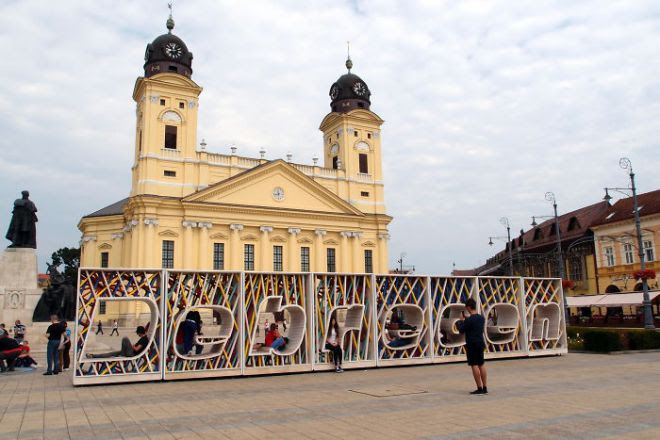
[[487, 105]]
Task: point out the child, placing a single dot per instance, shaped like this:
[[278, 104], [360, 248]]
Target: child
[[24, 359]]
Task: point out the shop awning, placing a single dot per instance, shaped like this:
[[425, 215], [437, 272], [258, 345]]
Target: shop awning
[[610, 299], [624, 299], [583, 301]]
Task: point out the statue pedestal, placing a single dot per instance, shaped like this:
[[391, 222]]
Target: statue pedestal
[[19, 292]]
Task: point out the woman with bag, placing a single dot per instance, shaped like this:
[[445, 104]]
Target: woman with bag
[[332, 344]]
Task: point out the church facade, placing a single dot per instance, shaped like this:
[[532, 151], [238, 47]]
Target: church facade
[[193, 209]]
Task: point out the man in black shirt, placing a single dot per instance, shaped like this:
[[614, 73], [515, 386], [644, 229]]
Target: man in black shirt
[[54, 336], [127, 349], [473, 328]]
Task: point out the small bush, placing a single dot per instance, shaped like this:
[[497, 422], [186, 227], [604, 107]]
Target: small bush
[[602, 341]]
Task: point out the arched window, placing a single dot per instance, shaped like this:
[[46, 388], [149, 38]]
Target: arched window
[[612, 289]]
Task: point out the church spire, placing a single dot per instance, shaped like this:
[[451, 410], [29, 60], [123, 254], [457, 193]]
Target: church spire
[[349, 63], [170, 21]]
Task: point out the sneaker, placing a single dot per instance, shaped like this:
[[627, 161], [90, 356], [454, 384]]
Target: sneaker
[[478, 391], [48, 373], [485, 390], [56, 372]]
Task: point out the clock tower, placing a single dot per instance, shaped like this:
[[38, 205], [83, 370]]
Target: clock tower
[[166, 120], [351, 142]]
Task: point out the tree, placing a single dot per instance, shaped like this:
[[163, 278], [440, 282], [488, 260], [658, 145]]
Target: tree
[[70, 259]]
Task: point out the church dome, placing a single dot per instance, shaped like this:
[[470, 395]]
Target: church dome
[[349, 92], [168, 53]]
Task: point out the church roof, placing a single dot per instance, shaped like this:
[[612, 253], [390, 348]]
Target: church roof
[[116, 208]]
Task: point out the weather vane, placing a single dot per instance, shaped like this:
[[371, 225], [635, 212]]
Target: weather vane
[[349, 63]]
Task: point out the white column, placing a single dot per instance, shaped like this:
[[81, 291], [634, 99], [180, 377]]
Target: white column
[[117, 255], [292, 263], [149, 242], [317, 252], [265, 251], [358, 257], [205, 252], [383, 261], [133, 257], [188, 257], [235, 250]]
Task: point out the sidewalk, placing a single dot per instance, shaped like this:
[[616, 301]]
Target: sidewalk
[[583, 396]]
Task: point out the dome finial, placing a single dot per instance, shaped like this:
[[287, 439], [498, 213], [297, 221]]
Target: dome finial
[[170, 20], [349, 63]]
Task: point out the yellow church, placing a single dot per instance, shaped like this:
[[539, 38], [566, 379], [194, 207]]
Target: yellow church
[[193, 209]]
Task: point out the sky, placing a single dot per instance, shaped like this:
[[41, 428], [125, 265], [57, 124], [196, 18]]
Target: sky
[[487, 105]]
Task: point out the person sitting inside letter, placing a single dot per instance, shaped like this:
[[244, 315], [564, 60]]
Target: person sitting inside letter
[[127, 349]]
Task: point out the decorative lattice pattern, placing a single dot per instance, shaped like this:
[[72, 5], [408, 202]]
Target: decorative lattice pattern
[[544, 314], [447, 294], [348, 299], [214, 297], [500, 302], [407, 297], [113, 285], [288, 291]]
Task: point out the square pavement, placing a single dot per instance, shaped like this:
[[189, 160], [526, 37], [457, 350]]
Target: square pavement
[[578, 396]]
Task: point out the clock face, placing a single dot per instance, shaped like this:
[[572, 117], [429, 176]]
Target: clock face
[[173, 50], [278, 194], [360, 89], [334, 149], [334, 92]]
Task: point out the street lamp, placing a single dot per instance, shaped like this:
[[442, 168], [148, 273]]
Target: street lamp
[[625, 164], [550, 197], [505, 222]]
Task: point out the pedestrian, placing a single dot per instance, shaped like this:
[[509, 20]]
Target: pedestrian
[[99, 327], [64, 348], [19, 331], [333, 344], [473, 328], [54, 336], [115, 328]]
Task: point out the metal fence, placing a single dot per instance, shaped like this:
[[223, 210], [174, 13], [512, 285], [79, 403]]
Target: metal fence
[[215, 323]]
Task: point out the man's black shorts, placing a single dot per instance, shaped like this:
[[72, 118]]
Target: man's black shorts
[[475, 354]]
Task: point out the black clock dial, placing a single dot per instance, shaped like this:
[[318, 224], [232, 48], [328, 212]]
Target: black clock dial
[[173, 50], [334, 92], [360, 89]]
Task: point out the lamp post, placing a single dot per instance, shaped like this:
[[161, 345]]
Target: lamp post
[[505, 222], [550, 197], [625, 164]]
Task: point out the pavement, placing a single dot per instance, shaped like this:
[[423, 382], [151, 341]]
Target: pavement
[[577, 396]]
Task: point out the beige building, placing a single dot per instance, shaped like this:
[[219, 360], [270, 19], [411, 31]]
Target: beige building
[[617, 251], [192, 209]]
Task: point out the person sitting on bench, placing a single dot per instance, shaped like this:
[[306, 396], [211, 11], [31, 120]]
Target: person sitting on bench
[[397, 323], [9, 351], [127, 349], [273, 339]]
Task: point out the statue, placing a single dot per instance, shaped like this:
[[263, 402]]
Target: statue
[[22, 229], [57, 299]]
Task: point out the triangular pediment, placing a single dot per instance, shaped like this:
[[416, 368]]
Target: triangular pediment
[[275, 185]]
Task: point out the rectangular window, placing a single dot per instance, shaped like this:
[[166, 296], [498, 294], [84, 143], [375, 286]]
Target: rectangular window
[[330, 257], [577, 272], [182, 105], [628, 253], [355, 133], [249, 256], [609, 256], [368, 261], [218, 256], [102, 307], [162, 102], [169, 173], [335, 163], [304, 259], [170, 137], [648, 251], [140, 142], [364, 164], [368, 135], [168, 254], [277, 259], [172, 68], [364, 193], [104, 259]]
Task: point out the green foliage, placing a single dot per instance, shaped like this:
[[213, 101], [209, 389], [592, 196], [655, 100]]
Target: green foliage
[[66, 261], [604, 340]]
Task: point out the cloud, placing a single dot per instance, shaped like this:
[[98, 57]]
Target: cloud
[[488, 105]]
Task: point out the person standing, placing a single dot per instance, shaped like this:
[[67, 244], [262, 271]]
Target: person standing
[[115, 328], [473, 328], [54, 335], [99, 327], [332, 343], [64, 348], [19, 331]]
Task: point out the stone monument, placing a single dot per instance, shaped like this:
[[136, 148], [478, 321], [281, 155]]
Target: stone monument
[[19, 292]]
